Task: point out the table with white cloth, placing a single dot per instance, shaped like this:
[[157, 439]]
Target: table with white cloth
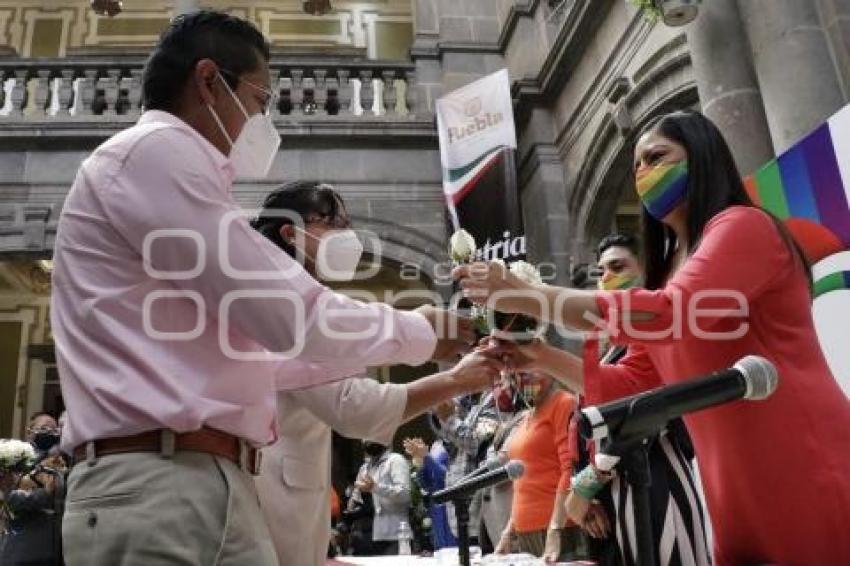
[[490, 560]]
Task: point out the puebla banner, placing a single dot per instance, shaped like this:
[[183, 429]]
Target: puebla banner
[[477, 146]]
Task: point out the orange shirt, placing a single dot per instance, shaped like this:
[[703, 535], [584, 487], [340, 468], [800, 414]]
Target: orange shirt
[[542, 442], [335, 505]]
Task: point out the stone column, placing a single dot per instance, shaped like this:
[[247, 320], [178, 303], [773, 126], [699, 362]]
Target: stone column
[[429, 72], [455, 43], [727, 84], [543, 194], [835, 18], [795, 68]]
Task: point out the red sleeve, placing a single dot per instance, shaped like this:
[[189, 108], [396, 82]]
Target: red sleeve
[[740, 255], [563, 410], [634, 373]]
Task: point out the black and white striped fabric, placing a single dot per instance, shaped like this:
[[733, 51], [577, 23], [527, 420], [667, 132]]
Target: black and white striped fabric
[[678, 517], [677, 509]]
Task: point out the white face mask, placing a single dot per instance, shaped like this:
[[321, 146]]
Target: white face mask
[[254, 149], [338, 255]]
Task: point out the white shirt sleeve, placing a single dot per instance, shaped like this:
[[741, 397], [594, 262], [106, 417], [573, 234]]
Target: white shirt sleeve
[[397, 489]]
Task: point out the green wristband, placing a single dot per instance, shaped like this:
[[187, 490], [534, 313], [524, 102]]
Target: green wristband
[[586, 483]]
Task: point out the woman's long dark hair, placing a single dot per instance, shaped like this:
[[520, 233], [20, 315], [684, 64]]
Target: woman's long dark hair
[[714, 184]]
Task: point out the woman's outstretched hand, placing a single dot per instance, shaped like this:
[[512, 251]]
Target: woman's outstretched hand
[[492, 284], [519, 357]]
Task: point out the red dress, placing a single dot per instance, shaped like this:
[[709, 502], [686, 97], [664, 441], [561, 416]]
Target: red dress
[[776, 472]]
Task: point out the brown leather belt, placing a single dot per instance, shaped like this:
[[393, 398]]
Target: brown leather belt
[[206, 440]]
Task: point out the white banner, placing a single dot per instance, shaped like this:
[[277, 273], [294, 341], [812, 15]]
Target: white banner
[[474, 122]]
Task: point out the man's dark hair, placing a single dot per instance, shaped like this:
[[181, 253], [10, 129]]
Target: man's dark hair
[[234, 44], [311, 200], [618, 241]]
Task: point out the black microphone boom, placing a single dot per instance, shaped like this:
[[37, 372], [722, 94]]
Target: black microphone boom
[[492, 463], [644, 414], [510, 471]]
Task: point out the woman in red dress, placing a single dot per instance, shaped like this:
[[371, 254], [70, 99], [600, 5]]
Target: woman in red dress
[[723, 280]]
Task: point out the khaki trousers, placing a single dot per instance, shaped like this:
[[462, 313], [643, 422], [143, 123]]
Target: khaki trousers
[[145, 509]]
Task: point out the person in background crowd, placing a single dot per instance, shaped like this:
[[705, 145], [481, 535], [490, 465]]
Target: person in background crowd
[[336, 506], [44, 433], [677, 509], [309, 220], [431, 466], [723, 280], [336, 514], [496, 500], [386, 476], [35, 501], [469, 426], [355, 525], [538, 523]]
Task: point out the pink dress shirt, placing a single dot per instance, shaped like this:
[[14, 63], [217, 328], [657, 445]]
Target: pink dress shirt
[[167, 306]]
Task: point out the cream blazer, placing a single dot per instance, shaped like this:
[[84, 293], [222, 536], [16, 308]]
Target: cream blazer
[[295, 481]]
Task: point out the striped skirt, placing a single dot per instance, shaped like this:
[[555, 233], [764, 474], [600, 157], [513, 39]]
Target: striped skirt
[[677, 510]]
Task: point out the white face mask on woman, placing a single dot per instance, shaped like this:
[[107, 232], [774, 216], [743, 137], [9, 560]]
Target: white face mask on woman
[[338, 255], [256, 145]]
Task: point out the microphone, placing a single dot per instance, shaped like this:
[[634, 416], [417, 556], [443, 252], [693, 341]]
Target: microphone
[[492, 463], [638, 416], [510, 471]]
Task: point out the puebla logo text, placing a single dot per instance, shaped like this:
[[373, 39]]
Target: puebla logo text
[[476, 123]]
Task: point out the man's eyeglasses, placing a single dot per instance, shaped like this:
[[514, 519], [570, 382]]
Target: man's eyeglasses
[[271, 97], [36, 430]]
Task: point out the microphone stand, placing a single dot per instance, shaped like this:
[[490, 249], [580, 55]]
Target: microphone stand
[[634, 459], [635, 463], [461, 505], [650, 415]]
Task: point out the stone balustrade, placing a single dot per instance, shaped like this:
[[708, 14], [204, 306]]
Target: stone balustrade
[[100, 89]]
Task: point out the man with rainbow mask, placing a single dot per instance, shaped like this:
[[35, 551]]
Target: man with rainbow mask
[[599, 497], [600, 501]]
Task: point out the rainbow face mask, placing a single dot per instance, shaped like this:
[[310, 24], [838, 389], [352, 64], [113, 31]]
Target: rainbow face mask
[[618, 281], [662, 188]]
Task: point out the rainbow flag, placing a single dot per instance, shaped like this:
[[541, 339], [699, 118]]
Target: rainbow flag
[[808, 187]]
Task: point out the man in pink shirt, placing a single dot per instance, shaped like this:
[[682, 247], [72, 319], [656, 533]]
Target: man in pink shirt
[[175, 322]]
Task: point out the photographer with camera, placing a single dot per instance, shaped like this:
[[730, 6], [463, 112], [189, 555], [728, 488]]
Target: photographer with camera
[[35, 501]]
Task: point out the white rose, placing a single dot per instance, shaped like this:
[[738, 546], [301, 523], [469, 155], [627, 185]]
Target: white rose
[[526, 272], [462, 246], [14, 452]]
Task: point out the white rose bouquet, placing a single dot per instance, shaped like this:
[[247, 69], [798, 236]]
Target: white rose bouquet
[[516, 327], [15, 455]]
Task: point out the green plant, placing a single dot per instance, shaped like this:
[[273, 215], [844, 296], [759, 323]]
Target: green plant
[[650, 9], [420, 521]]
